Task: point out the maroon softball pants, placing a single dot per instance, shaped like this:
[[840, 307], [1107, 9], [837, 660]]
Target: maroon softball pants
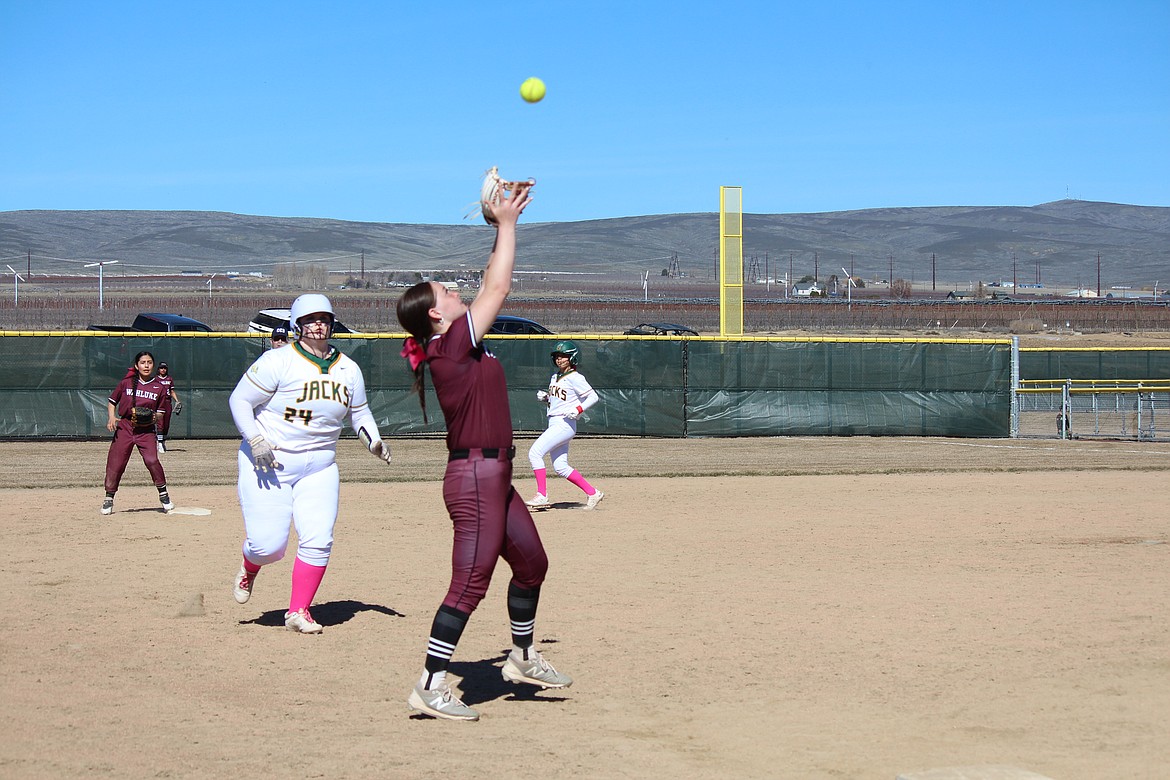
[[126, 438], [490, 522]]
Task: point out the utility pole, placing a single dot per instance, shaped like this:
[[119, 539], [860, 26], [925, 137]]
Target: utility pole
[[890, 278], [816, 268], [1014, 271], [363, 265], [933, 273], [1098, 274]]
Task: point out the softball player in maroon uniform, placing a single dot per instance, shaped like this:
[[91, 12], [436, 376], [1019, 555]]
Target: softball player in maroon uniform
[[489, 517], [170, 405], [139, 388]]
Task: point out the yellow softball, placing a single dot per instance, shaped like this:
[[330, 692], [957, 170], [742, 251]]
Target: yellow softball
[[532, 90]]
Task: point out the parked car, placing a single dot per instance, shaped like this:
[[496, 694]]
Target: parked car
[[506, 324], [267, 319], [660, 329], [155, 322]]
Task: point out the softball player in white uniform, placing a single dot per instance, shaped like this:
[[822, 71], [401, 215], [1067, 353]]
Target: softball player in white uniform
[[568, 395], [290, 407]]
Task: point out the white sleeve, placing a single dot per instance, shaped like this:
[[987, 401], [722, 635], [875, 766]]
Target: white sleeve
[[586, 395]]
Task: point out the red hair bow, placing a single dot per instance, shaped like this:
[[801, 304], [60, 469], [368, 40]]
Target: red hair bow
[[412, 351]]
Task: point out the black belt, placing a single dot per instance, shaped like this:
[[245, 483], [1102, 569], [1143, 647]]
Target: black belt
[[487, 453]]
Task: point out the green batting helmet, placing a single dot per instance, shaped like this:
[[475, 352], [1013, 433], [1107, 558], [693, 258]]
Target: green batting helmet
[[569, 350]]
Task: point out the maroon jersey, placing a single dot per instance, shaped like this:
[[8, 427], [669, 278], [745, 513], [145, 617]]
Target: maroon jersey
[[167, 382], [472, 391], [149, 394]]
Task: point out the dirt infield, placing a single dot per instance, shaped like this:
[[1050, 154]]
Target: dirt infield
[[786, 608]]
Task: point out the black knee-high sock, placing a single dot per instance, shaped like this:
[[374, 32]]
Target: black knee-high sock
[[522, 613], [445, 632]]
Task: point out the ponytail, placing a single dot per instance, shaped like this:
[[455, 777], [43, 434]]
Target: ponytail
[[417, 357], [413, 311]]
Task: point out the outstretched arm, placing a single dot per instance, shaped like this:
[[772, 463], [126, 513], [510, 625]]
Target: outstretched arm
[[497, 275]]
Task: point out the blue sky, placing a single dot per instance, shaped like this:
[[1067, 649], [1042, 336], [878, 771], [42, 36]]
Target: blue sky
[[391, 111]]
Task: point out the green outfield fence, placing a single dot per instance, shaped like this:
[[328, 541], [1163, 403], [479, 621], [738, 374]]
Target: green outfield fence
[[55, 384]]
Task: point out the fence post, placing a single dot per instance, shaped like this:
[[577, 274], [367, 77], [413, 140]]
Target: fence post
[[686, 384], [1064, 420], [1139, 412], [1014, 431]]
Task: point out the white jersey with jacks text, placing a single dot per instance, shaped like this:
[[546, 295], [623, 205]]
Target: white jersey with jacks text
[[299, 402], [569, 392]]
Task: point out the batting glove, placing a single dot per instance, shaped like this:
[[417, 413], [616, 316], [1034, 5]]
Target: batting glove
[[263, 458], [573, 414], [542, 396], [178, 408], [381, 450]]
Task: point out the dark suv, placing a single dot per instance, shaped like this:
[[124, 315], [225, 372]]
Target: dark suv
[[507, 325]]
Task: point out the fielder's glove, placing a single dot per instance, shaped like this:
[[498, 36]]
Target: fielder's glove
[[494, 190], [263, 458], [542, 396], [178, 408], [141, 416], [379, 448]]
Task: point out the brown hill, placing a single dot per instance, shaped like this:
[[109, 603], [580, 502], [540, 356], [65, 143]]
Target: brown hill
[[1057, 243]]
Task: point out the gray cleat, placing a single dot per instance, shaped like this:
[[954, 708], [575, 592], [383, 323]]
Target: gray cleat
[[440, 703], [534, 671]]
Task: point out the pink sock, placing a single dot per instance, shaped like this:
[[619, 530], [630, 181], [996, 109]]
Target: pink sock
[[250, 567], [541, 482], [581, 482], [306, 578]]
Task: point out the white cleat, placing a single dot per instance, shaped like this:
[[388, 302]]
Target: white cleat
[[594, 500], [302, 621], [242, 591], [108, 506], [539, 501]]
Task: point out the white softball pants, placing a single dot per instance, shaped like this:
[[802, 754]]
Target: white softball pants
[[303, 492], [555, 442]]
